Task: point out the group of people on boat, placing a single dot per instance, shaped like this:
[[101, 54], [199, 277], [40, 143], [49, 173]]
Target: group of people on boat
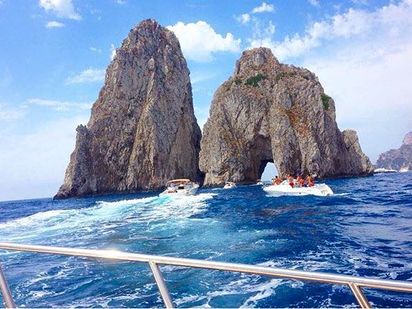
[[299, 181]]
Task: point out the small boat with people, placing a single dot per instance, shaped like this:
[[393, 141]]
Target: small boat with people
[[298, 186], [180, 187], [384, 170], [229, 185]]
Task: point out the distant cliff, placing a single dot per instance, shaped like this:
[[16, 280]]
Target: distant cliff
[[271, 112], [142, 130], [398, 159]]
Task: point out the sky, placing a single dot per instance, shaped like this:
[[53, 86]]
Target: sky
[[53, 56]]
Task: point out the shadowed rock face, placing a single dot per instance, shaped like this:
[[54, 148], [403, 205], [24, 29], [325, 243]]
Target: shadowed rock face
[[142, 130], [398, 159], [271, 112]]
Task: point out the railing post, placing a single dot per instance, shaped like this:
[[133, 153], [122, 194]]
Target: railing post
[[161, 284], [355, 283], [5, 291], [360, 297]]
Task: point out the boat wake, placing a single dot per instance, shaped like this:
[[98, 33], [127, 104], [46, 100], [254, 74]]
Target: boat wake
[[363, 229], [102, 217]]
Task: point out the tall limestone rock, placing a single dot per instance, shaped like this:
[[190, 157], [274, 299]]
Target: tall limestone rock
[[398, 159], [142, 130], [271, 112]]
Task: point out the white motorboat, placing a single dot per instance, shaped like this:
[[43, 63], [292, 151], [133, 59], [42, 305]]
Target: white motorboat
[[285, 189], [384, 170], [229, 185], [180, 187]]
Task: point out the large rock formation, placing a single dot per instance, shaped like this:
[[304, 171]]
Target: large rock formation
[[142, 130], [398, 159], [271, 112]]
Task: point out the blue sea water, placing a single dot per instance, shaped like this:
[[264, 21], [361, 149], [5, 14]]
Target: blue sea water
[[365, 229]]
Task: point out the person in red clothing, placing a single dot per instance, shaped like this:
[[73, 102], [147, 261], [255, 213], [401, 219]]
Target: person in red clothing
[[291, 181], [297, 182], [301, 182], [310, 181]]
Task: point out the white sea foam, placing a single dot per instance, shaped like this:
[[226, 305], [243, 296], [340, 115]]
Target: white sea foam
[[247, 284], [103, 217], [261, 291], [341, 194], [131, 202], [26, 221], [188, 299]]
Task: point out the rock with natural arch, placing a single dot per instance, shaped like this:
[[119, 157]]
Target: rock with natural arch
[[271, 112]]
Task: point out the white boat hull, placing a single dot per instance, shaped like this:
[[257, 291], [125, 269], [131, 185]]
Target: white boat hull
[[229, 186], [188, 190], [384, 170], [285, 189]]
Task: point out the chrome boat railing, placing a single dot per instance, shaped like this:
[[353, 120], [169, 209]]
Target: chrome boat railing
[[354, 283]]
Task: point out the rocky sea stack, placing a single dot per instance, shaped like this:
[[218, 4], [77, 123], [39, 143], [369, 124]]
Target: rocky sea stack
[[142, 130], [398, 159], [271, 112]]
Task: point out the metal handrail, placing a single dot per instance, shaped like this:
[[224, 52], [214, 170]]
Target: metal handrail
[[354, 283], [5, 291]]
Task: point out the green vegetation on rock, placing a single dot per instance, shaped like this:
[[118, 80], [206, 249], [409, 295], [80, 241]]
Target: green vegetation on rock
[[254, 80], [284, 74], [238, 81], [325, 101]]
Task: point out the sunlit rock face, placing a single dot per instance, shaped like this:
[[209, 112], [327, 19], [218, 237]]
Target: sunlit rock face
[[398, 159], [142, 130], [271, 112]]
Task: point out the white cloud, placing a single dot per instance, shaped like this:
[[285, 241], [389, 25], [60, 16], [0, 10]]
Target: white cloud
[[360, 2], [54, 24], [60, 106], [372, 93], [121, 2], [270, 28], [89, 75], [62, 8], [112, 51], [362, 59], [244, 18], [314, 2], [200, 41], [33, 163], [95, 50], [8, 113], [199, 77], [262, 34], [263, 8], [391, 20], [202, 114]]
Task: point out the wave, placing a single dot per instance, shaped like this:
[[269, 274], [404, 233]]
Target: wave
[[103, 216], [38, 217]]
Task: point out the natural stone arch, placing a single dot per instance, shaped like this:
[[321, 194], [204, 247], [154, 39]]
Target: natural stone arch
[[270, 112], [269, 171]]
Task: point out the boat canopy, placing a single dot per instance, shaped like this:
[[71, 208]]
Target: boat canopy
[[176, 181]]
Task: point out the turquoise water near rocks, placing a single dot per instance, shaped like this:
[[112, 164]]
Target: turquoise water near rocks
[[365, 229]]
